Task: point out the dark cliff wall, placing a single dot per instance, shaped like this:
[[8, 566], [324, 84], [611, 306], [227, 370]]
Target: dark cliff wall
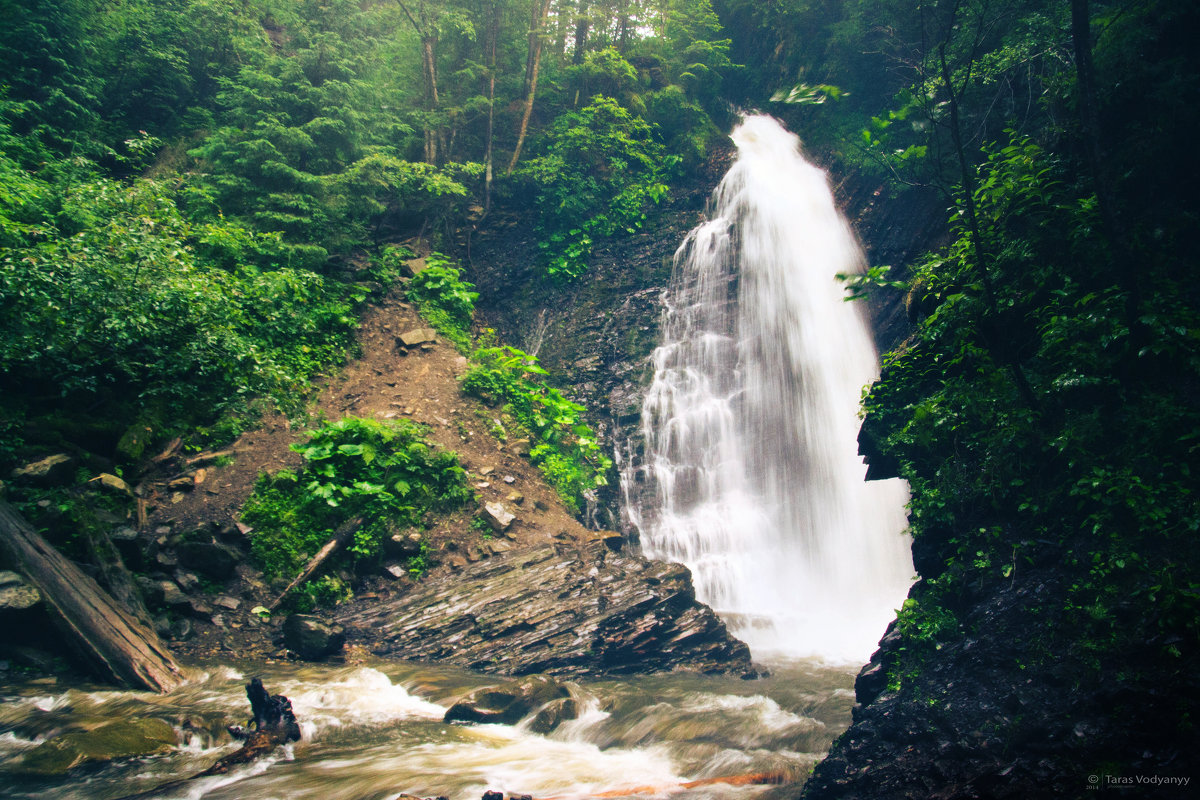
[[595, 335], [996, 713]]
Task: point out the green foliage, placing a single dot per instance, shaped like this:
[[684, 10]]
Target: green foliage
[[806, 94], [1090, 469], [324, 591], [444, 299], [566, 450], [379, 184], [924, 624], [388, 266], [109, 300], [602, 171], [384, 472], [860, 284], [418, 564]]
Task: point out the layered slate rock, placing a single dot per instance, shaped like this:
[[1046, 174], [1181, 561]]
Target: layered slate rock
[[560, 609]]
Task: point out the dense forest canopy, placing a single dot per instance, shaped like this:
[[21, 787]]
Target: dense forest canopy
[[184, 180], [195, 196]]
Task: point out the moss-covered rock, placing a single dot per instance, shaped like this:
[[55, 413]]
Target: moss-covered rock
[[105, 741]]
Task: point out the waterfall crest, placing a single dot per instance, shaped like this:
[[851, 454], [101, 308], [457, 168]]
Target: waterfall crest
[[750, 474]]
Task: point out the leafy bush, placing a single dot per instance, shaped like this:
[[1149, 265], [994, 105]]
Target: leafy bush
[[566, 451], [114, 304], [604, 167], [385, 472], [444, 299], [388, 266]]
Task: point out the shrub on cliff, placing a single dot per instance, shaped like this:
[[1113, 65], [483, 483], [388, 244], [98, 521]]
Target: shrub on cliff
[[566, 450]]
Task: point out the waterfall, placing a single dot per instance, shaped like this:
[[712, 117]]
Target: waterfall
[[750, 474]]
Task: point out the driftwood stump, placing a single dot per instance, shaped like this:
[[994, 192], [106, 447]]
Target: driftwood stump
[[273, 723]]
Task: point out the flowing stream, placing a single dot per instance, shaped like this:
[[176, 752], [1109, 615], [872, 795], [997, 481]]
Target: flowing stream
[[374, 732], [750, 474]]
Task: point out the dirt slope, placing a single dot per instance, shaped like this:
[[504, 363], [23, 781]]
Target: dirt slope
[[383, 383]]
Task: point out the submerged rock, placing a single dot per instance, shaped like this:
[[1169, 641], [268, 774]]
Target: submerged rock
[[110, 740], [510, 703], [553, 714], [555, 609]]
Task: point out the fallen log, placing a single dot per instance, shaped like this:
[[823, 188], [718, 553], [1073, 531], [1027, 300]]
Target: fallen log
[[273, 721], [168, 452], [340, 537], [212, 455], [121, 648]]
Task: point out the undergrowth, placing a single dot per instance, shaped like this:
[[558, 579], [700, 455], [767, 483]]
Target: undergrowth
[[444, 299], [563, 447], [387, 473]]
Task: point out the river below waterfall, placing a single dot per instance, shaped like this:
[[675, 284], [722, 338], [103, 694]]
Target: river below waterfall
[[376, 732]]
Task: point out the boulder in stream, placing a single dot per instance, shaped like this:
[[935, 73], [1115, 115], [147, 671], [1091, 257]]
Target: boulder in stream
[[510, 703], [311, 638]]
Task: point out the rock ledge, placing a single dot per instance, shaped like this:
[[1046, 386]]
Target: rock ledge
[[560, 609]]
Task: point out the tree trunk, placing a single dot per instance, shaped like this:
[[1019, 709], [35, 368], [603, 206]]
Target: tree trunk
[[114, 576], [493, 35], [981, 260], [624, 27], [429, 38], [1093, 140], [532, 65], [429, 69], [582, 24], [121, 648]]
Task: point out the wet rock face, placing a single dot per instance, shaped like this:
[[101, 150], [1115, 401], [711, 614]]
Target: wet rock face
[[594, 335], [556, 609], [1000, 712]]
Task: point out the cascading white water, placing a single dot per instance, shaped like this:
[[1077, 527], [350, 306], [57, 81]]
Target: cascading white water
[[750, 473]]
